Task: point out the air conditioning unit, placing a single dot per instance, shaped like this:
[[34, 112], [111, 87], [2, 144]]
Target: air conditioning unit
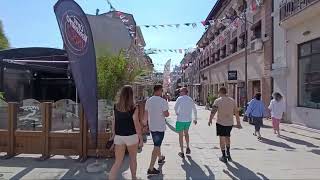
[[256, 45]]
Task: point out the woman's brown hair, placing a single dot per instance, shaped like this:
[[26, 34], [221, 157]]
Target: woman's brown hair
[[125, 101]]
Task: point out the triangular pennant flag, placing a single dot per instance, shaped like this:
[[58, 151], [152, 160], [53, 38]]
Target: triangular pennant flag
[[175, 50], [118, 13], [177, 25], [203, 23], [170, 50], [159, 50], [211, 22], [147, 26], [194, 25], [155, 26], [169, 25], [253, 5], [187, 24], [161, 25]]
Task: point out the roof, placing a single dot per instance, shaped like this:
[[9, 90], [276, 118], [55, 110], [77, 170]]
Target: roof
[[31, 53], [36, 53]]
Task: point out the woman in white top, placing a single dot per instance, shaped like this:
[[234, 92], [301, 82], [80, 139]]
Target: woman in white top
[[277, 108]]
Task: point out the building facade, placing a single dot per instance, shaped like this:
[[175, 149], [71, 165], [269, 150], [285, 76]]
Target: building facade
[[222, 49], [296, 66], [191, 74]]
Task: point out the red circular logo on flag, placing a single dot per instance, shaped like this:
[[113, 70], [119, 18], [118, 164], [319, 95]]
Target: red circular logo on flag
[[75, 33]]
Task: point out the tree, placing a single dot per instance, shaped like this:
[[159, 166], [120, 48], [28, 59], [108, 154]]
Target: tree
[[1, 96], [113, 72], [4, 43]]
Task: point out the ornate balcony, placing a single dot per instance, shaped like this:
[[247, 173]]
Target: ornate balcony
[[289, 8]]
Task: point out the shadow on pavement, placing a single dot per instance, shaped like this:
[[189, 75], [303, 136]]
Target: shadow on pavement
[[299, 141], [241, 172], [75, 169], [315, 151], [276, 143], [267, 126], [292, 132], [171, 127], [194, 171]]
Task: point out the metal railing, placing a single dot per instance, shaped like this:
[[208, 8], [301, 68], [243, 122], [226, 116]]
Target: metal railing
[[289, 8]]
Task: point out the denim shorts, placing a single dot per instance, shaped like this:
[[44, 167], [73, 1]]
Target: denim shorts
[[157, 138]]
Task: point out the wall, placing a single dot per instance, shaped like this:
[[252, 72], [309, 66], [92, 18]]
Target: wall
[[279, 66], [305, 116]]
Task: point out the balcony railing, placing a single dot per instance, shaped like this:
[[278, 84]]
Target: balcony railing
[[291, 7]]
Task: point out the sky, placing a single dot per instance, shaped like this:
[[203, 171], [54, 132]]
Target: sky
[[33, 23]]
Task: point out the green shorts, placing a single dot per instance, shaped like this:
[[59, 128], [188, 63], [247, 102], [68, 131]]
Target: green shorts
[[181, 126]]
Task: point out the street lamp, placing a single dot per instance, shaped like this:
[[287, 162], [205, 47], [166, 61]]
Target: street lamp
[[245, 54]]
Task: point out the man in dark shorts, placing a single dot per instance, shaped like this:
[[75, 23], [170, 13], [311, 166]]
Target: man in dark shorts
[[156, 110], [226, 108]]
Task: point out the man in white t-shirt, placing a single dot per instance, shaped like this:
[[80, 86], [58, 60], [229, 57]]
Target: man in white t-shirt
[[156, 110], [184, 107]]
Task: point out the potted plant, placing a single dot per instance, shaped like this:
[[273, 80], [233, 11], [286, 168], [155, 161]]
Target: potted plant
[[211, 99]]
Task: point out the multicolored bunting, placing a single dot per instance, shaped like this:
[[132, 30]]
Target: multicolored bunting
[[155, 50], [128, 22], [193, 24]]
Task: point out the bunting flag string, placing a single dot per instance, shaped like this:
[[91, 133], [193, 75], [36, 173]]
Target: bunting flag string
[[192, 24], [156, 51]]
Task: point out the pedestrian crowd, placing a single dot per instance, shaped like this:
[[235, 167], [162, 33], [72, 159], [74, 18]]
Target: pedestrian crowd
[[127, 130]]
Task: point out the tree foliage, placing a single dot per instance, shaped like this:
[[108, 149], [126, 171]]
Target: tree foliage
[[4, 43], [114, 71], [1, 96]]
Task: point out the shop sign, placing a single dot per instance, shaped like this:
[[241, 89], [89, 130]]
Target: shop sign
[[232, 75]]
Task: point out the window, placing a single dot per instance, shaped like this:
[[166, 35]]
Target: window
[[217, 56], [242, 39], [223, 51], [234, 46], [309, 74], [256, 31]]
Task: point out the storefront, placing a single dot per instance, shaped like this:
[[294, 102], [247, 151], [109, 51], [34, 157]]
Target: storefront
[[218, 76]]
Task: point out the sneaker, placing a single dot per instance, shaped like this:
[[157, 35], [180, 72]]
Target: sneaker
[[223, 159], [229, 158], [181, 154], [254, 134], [153, 172], [161, 161], [188, 151], [259, 138]]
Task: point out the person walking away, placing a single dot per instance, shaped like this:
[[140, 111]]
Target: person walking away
[[126, 132], [156, 110], [184, 108], [255, 111], [226, 108], [277, 108]]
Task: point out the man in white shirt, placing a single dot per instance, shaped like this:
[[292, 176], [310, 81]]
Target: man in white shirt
[[183, 108], [156, 110]]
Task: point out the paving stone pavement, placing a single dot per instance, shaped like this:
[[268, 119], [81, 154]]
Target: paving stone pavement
[[294, 156]]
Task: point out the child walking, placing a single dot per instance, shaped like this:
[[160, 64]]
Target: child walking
[[277, 108]]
